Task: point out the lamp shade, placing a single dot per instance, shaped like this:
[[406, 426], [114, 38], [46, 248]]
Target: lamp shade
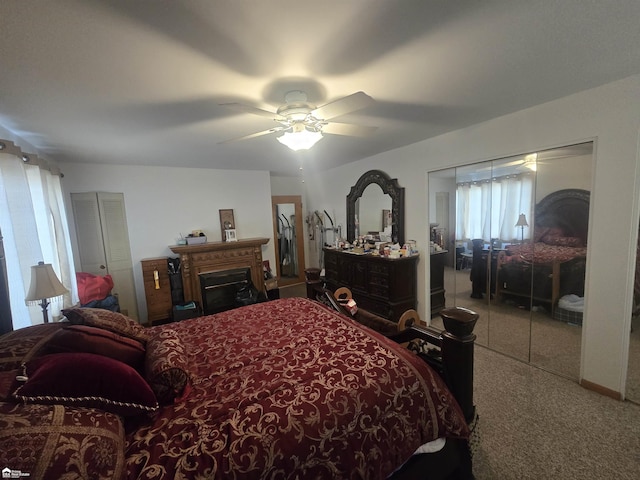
[[522, 221], [44, 283], [300, 138]]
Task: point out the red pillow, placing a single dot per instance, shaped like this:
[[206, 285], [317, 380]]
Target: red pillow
[[86, 380], [53, 441], [86, 339], [166, 366], [107, 320], [7, 383], [22, 345]]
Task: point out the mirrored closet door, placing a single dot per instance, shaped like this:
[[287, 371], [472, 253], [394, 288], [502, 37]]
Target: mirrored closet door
[[517, 236], [633, 372]]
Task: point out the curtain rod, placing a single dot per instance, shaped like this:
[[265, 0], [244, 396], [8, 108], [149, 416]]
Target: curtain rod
[[7, 146]]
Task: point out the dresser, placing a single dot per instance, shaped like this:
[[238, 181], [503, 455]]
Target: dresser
[[157, 289], [381, 285], [437, 260]]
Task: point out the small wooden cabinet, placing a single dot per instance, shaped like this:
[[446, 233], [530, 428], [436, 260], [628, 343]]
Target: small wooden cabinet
[[384, 286], [157, 289]]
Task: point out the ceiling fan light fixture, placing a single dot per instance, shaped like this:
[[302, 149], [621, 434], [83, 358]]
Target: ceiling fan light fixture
[[300, 138]]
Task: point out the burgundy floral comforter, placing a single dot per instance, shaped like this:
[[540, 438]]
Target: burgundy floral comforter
[[542, 253], [291, 389]]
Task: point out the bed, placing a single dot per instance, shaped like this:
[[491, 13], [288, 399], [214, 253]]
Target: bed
[[283, 389], [553, 265]]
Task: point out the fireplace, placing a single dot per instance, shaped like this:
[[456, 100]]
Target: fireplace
[[216, 257], [226, 289]]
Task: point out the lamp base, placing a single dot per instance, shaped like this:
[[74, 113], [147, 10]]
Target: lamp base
[[44, 303]]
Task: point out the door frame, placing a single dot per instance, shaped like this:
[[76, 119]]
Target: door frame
[[296, 200]]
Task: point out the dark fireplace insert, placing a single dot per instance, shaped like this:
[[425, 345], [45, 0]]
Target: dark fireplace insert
[[226, 289]]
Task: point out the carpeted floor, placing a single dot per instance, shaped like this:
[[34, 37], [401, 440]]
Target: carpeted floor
[[296, 290], [536, 425]]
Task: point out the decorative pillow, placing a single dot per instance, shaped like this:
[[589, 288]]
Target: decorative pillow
[[86, 380], [23, 344], [539, 233], [563, 241], [166, 366], [551, 232], [86, 339], [7, 384], [53, 441], [108, 320]]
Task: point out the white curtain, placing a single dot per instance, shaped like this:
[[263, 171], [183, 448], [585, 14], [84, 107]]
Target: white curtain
[[34, 227], [490, 209]]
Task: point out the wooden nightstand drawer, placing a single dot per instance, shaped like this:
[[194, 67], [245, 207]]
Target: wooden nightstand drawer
[[157, 288]]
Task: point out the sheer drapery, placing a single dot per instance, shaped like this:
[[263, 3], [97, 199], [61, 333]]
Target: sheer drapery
[[34, 227], [490, 209]]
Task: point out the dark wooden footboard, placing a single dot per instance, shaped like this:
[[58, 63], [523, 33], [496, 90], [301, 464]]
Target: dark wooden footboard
[[449, 352], [543, 282]]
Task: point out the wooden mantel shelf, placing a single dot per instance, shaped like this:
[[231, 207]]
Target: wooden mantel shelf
[[217, 256], [215, 246]]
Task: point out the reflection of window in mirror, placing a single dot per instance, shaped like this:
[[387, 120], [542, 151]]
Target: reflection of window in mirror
[[386, 220]]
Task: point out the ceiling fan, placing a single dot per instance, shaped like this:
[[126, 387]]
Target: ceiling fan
[[303, 123]]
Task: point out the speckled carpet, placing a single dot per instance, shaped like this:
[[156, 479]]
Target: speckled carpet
[[536, 425]]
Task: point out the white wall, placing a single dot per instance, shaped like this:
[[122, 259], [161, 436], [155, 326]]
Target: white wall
[[571, 172], [162, 202], [608, 115]]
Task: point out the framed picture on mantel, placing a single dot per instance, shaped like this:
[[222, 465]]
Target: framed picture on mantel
[[226, 222]]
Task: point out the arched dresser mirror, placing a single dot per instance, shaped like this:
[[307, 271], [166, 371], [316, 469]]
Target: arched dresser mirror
[[358, 210]]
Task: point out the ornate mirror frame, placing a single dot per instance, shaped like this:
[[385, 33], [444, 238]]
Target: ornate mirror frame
[[390, 187]]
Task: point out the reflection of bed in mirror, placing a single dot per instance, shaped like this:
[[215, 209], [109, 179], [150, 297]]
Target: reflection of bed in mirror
[[553, 265]]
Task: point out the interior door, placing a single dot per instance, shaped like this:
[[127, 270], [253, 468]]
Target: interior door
[[289, 239], [103, 243], [86, 215]]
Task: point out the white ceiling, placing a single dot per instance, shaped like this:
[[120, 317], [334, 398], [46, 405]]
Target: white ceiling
[[140, 82]]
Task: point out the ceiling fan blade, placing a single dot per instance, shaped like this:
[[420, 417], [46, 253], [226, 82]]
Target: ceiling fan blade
[[258, 134], [348, 129], [255, 111], [344, 105]]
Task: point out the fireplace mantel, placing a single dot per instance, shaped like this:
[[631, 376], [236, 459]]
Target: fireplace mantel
[[217, 256]]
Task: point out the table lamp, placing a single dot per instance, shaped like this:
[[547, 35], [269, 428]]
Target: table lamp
[[522, 222], [44, 286]]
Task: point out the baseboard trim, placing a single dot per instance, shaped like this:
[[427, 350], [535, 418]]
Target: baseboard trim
[[600, 389]]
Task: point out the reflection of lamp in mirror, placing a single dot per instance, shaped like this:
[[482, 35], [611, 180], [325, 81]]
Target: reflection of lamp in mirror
[[44, 286], [522, 222]]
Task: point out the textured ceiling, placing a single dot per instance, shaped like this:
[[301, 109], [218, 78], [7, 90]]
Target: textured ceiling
[[141, 82]]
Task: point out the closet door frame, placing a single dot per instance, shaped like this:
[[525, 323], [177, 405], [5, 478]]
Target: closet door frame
[[103, 243]]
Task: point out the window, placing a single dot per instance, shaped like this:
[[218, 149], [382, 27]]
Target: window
[[489, 209], [34, 228]]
